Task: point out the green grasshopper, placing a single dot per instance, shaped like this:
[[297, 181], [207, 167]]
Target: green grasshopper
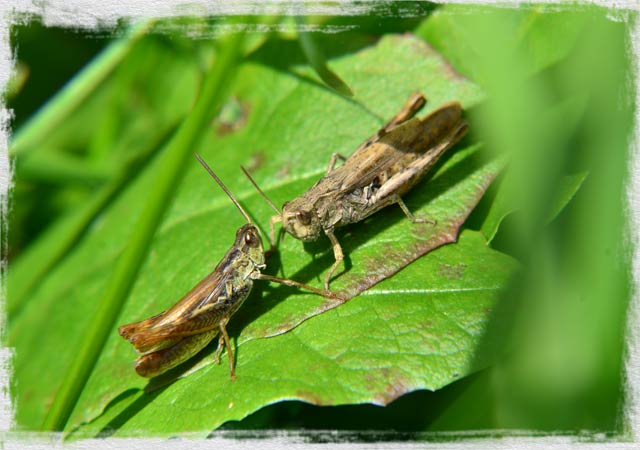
[[175, 335], [376, 175]]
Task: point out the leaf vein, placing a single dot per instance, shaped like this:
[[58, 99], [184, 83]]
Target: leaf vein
[[428, 291]]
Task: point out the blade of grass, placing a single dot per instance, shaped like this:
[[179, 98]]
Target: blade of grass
[[170, 171], [74, 93], [318, 62]]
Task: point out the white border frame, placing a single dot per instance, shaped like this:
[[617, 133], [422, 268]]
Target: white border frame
[[91, 14]]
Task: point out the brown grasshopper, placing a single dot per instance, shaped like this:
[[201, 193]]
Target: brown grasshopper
[[175, 335], [377, 174]]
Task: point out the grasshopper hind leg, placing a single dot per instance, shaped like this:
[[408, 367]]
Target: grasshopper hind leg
[[232, 360], [156, 363], [223, 340], [410, 215], [337, 248], [216, 355], [415, 102]]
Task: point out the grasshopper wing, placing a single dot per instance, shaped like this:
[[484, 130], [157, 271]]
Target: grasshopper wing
[[404, 144], [198, 311]]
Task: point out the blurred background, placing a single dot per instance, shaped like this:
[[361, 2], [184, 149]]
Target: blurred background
[[560, 93]]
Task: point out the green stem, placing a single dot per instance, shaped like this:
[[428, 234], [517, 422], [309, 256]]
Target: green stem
[[169, 173]]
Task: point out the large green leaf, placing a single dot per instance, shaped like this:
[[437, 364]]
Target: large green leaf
[[291, 127], [418, 330]]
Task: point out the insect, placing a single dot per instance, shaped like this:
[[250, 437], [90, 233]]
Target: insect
[[377, 174], [175, 335]]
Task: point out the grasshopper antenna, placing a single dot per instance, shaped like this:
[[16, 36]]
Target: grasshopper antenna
[[275, 208], [224, 188]]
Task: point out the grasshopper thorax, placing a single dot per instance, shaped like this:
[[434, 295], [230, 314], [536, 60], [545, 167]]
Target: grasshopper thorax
[[301, 220], [249, 242]]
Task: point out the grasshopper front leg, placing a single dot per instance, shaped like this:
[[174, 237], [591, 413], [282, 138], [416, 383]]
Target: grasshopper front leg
[[292, 283], [337, 254], [272, 231]]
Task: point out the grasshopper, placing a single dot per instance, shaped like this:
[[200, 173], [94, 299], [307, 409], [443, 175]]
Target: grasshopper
[[376, 175], [175, 335]]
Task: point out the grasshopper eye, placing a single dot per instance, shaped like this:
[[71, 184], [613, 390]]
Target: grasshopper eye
[[304, 217], [251, 239]]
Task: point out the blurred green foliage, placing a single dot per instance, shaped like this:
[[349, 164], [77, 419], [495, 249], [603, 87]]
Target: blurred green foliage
[[559, 104], [575, 115], [38, 77]]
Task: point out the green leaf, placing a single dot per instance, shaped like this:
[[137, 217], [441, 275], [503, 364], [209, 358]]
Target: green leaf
[[290, 129], [418, 330]]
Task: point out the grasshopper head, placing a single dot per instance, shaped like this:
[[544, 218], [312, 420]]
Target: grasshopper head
[[249, 242], [301, 221]]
